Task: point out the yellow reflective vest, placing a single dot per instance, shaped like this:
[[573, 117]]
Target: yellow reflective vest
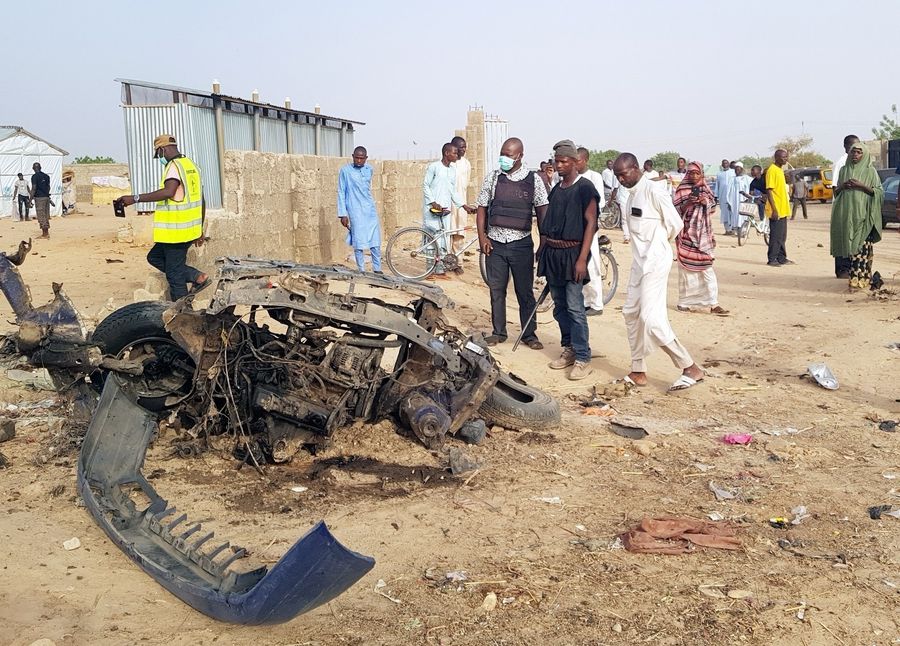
[[180, 221]]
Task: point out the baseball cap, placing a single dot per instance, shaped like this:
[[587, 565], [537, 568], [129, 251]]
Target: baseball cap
[[162, 141]]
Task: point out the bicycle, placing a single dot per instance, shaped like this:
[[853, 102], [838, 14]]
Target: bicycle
[[749, 212], [609, 275], [610, 215], [415, 252]]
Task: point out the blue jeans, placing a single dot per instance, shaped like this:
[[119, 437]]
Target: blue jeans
[[568, 310], [434, 224], [360, 256]]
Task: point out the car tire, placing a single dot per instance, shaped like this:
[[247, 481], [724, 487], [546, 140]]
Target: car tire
[[515, 405]]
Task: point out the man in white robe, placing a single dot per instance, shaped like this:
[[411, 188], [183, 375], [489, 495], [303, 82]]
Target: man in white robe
[[593, 291], [723, 184], [654, 222], [459, 218], [616, 194], [740, 186]]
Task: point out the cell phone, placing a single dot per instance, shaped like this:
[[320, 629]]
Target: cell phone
[[636, 212], [695, 191], [119, 208]]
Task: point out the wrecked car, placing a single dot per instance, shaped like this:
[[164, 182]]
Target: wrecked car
[[281, 356]]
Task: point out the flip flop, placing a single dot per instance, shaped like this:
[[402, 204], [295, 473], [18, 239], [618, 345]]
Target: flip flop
[[683, 383], [199, 286], [628, 380], [718, 310]]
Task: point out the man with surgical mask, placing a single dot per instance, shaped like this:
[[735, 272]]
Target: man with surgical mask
[[508, 201], [178, 218]]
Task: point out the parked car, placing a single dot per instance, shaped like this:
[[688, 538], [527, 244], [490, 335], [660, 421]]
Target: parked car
[[890, 180], [818, 180]]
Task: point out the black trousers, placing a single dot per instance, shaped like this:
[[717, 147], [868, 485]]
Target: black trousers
[[802, 202], [516, 258], [24, 203], [841, 267], [171, 259], [777, 240]]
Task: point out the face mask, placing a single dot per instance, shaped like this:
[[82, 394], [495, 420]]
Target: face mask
[[163, 161], [506, 163]]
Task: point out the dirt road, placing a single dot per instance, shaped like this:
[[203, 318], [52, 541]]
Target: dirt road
[[555, 566]]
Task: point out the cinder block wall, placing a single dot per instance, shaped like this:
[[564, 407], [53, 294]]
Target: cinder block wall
[[84, 173], [285, 206]]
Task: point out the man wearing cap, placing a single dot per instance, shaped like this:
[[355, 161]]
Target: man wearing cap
[[567, 231], [740, 185], [178, 220]]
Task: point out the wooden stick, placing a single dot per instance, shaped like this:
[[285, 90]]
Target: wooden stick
[[829, 631]]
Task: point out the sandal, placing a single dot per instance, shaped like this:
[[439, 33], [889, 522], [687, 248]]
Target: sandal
[[718, 310], [203, 284], [627, 380], [683, 383], [682, 308]]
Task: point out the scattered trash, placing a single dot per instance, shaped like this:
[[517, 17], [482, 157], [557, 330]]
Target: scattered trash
[[616, 544], [125, 234], [893, 346], [739, 594], [876, 511], [801, 611], [490, 602], [299, 489], [703, 468], [644, 447], [7, 429], [678, 535], [472, 432], [4, 461], [550, 500], [712, 590], [456, 576], [789, 546], [591, 544], [823, 375], [599, 411], [890, 476], [737, 438], [800, 514], [715, 516], [460, 462], [888, 426], [779, 522], [378, 590], [722, 494], [581, 528], [889, 583], [39, 379], [627, 428], [617, 627], [71, 544], [113, 260]]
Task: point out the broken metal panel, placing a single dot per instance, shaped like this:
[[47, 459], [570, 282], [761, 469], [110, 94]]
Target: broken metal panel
[[162, 542]]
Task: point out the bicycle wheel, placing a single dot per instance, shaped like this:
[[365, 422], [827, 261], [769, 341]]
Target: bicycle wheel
[[765, 232], [412, 252], [610, 216], [743, 230], [609, 274]]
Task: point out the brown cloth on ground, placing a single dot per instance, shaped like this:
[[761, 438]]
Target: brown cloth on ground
[[678, 535]]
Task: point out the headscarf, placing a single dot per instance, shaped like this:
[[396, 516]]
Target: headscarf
[[698, 227], [855, 215]]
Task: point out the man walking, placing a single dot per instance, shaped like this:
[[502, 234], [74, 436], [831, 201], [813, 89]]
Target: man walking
[[40, 195], [508, 201], [567, 232], [593, 291], [616, 194], [654, 224], [777, 210], [799, 193], [459, 217], [440, 194], [723, 185], [356, 210], [22, 196], [178, 219], [841, 264]]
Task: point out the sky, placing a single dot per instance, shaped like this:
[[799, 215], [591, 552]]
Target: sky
[[707, 79]]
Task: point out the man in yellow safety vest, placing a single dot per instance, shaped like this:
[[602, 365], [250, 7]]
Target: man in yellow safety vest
[[178, 220]]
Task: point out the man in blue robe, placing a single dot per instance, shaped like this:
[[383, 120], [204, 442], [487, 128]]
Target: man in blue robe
[[356, 210]]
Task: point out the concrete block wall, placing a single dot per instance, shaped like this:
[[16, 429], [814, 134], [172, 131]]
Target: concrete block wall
[[285, 206], [84, 173]]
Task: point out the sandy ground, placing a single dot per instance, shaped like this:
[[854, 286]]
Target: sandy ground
[[555, 568]]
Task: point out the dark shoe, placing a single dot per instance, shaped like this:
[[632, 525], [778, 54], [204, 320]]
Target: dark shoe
[[201, 284], [843, 276], [379, 272], [592, 312], [774, 264], [787, 262], [534, 344], [494, 339]]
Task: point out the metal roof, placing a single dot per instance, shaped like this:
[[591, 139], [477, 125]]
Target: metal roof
[[8, 131], [236, 99]]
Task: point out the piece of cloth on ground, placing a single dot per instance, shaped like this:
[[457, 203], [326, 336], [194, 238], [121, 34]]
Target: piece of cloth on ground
[[679, 535]]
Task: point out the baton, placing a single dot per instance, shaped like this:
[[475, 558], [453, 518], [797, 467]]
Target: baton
[[540, 300]]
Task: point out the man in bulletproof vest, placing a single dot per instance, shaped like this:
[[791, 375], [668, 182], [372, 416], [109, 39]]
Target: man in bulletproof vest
[[508, 201]]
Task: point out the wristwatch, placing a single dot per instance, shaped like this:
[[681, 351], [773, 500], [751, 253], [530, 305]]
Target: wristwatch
[[136, 197]]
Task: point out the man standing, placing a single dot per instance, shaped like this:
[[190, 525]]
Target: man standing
[[654, 224], [740, 184], [677, 176], [567, 232], [648, 169], [178, 219], [440, 194], [508, 201], [356, 210], [723, 185], [841, 264], [616, 194], [799, 193], [22, 196], [758, 189], [459, 217], [778, 207], [40, 195], [593, 291]]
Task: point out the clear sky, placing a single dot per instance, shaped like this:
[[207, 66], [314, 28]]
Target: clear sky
[[707, 79]]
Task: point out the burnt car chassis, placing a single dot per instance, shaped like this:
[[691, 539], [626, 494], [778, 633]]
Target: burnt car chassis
[[278, 360]]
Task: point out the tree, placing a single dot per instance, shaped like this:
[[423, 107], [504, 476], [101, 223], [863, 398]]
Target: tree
[[665, 161], [889, 126], [598, 158], [800, 153], [95, 160], [750, 161]]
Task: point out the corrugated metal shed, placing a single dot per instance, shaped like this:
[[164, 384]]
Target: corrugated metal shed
[[273, 135]]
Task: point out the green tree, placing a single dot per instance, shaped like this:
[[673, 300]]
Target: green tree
[[94, 160], [889, 126], [750, 161], [665, 161], [598, 158], [800, 152]]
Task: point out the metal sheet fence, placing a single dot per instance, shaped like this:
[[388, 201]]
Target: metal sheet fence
[[304, 138], [272, 136], [238, 131]]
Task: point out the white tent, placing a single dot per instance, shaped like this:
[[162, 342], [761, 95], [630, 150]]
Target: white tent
[[19, 149]]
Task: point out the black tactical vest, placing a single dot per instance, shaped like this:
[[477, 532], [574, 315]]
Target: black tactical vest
[[512, 206]]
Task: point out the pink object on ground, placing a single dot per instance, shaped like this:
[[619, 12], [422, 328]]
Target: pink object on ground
[[737, 438]]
